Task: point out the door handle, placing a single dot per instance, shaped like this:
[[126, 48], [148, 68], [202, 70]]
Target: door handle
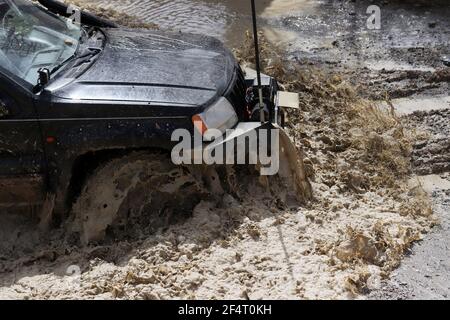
[[3, 109]]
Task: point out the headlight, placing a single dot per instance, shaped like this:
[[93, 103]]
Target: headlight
[[220, 116]]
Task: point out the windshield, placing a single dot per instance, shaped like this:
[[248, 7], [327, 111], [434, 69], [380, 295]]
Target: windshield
[[32, 38]]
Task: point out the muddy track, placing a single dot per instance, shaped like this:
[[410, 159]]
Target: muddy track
[[431, 155], [425, 273]]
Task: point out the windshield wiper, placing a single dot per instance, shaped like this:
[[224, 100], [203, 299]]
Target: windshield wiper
[[81, 58], [87, 53]]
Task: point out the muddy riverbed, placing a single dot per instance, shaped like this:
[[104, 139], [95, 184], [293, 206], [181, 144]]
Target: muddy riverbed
[[343, 246]]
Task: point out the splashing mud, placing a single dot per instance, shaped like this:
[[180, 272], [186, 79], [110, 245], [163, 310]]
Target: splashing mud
[[249, 243]]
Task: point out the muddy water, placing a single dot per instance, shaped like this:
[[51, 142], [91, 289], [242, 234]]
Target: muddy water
[[184, 15], [227, 19]]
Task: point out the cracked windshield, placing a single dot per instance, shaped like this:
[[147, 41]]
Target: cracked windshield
[[31, 39]]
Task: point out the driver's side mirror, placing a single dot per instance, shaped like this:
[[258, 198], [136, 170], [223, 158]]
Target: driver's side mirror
[[44, 76], [43, 79]]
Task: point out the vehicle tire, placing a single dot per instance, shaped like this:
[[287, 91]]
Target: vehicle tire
[[135, 196]]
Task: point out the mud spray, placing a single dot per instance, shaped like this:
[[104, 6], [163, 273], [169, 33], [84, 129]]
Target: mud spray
[[253, 246]]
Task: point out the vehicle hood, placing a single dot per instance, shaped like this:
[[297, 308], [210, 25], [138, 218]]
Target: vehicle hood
[[155, 67]]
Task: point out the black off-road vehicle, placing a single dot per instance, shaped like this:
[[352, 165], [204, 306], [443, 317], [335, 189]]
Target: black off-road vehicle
[[87, 110]]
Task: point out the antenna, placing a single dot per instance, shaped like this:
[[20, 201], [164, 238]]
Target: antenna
[[258, 62]]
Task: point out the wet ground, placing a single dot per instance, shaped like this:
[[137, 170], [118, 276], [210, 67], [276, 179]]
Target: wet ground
[[425, 273]]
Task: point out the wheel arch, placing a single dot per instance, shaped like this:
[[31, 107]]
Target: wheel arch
[[84, 165]]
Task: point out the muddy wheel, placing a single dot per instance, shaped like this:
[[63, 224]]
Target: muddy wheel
[[135, 196]]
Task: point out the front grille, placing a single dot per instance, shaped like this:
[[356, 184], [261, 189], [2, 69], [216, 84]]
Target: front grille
[[236, 95]]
